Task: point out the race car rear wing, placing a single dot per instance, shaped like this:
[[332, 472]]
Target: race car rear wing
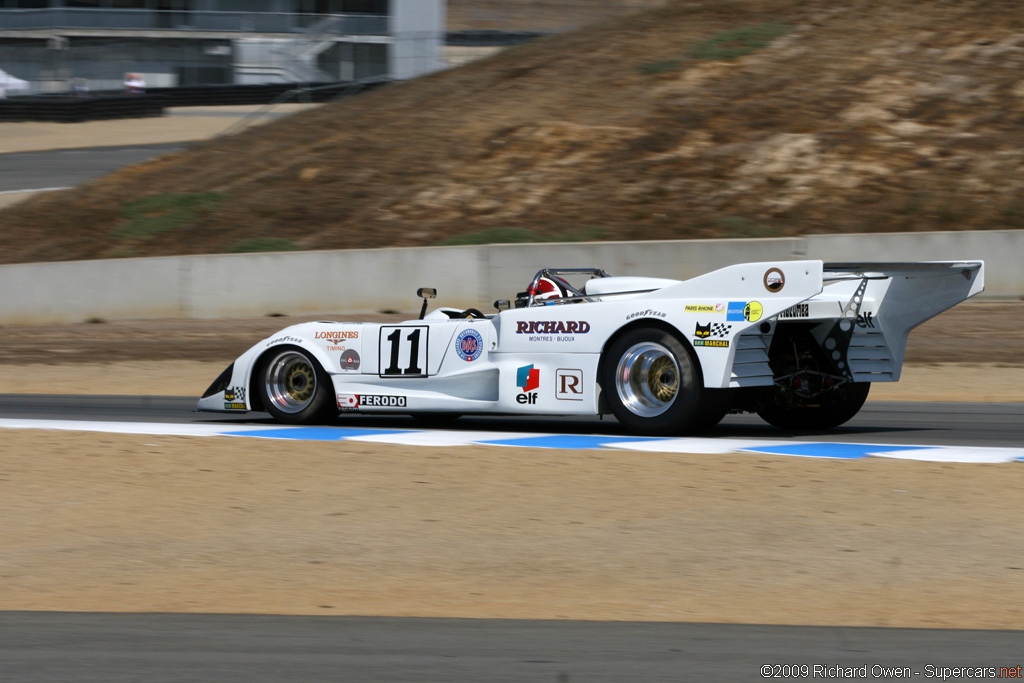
[[916, 291], [876, 305], [909, 269]]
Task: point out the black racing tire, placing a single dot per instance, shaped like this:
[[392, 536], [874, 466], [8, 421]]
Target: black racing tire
[[832, 409], [653, 383], [294, 388], [715, 404]]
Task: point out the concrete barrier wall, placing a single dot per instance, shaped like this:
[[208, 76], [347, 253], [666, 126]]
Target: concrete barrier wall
[[351, 281], [42, 293], [370, 280]]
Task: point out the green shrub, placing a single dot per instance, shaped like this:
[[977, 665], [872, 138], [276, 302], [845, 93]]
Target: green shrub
[[257, 244], [663, 66], [739, 42], [735, 227], [151, 216], [512, 235]]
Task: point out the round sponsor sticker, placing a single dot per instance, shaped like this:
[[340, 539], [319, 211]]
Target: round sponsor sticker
[[774, 280], [350, 360], [752, 311], [469, 345]]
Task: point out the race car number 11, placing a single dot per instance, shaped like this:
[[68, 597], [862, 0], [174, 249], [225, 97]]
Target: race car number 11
[[403, 351]]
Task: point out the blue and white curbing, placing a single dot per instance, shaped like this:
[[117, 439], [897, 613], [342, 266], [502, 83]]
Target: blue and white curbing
[[444, 438]]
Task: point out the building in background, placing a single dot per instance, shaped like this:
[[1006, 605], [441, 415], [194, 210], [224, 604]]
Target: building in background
[[53, 44]]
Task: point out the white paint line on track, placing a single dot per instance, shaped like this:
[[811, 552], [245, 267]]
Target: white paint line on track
[[154, 428], [956, 454], [440, 438], [35, 189], [451, 438], [694, 445]]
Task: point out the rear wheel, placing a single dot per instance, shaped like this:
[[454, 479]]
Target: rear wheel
[[295, 389], [829, 409], [653, 383]]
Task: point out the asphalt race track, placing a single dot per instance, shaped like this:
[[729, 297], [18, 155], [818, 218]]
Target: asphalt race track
[[158, 648], [24, 171], [63, 168], [48, 647], [999, 425]]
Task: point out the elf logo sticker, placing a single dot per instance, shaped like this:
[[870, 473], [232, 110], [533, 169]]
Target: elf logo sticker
[[527, 379]]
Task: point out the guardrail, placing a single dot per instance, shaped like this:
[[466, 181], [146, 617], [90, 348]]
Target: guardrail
[[74, 109], [114, 105], [186, 20], [368, 280]]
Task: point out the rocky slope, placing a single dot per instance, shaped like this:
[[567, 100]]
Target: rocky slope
[[712, 119]]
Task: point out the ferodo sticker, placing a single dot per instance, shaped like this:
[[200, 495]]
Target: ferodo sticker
[[370, 401], [356, 401]]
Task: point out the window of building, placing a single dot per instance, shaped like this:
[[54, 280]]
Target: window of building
[[365, 6], [184, 5], [340, 6], [174, 13]]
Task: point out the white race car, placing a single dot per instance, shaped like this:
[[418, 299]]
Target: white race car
[[797, 342]]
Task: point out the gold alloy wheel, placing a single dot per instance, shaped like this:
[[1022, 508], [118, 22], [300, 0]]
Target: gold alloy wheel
[[291, 382], [647, 379]]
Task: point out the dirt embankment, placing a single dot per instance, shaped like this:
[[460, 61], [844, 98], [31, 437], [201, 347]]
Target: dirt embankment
[[734, 118]]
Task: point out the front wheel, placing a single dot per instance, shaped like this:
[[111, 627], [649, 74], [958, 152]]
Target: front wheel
[[829, 409], [653, 383], [295, 389]]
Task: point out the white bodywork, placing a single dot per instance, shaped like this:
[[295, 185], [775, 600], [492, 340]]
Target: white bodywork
[[544, 359]]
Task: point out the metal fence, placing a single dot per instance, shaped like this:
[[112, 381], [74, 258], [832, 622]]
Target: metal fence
[[101, 64]]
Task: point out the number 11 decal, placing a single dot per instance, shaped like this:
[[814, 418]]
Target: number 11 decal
[[400, 349]]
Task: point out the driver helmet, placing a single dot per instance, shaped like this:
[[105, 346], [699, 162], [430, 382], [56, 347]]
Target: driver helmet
[[549, 288]]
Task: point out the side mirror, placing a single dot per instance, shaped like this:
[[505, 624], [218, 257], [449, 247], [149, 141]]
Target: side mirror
[[425, 293], [503, 304]]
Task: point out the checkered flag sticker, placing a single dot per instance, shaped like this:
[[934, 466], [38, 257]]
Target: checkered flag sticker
[[720, 329], [235, 394]]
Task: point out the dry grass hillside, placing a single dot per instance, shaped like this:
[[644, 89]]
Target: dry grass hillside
[[697, 119]]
